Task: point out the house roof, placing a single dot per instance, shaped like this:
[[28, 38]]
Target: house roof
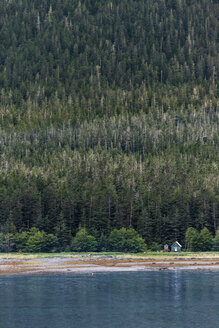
[[176, 242]]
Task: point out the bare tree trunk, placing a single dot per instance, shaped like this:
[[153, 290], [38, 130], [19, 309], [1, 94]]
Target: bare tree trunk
[[131, 213]]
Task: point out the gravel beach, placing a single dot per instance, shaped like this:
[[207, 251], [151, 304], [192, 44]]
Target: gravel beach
[[91, 264]]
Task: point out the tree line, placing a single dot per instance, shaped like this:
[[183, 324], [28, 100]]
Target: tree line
[[119, 240], [108, 119]]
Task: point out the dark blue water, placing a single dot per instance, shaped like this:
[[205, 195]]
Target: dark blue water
[[110, 300]]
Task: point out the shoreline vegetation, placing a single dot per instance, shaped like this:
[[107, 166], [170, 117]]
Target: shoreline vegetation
[[123, 240], [115, 255], [44, 263]]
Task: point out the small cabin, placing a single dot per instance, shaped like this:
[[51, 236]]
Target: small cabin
[[176, 247]]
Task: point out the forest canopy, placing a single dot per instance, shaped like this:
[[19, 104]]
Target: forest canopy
[[109, 117]]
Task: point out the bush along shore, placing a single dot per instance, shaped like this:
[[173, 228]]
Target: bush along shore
[[119, 240]]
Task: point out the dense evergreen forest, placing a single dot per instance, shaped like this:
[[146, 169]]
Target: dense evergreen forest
[[108, 117]]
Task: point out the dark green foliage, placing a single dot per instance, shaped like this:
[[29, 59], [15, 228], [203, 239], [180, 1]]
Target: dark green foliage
[[21, 240], [126, 240], [216, 242], [155, 247], [35, 241], [3, 243], [63, 234], [102, 243], [108, 117], [192, 239], [66, 61], [196, 241], [6, 242], [83, 242], [206, 240]]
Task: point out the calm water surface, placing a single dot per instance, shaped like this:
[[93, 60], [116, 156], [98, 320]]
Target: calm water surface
[[110, 300]]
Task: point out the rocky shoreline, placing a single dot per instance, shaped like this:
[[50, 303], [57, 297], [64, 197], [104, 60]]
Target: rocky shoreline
[[91, 265]]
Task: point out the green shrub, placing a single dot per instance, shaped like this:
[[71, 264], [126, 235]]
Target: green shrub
[[6, 242], [216, 242], [20, 240], [102, 243], [83, 242], [40, 241], [206, 240], [155, 247], [63, 234], [192, 239], [196, 241], [35, 241], [126, 240], [117, 240], [3, 243], [50, 242]]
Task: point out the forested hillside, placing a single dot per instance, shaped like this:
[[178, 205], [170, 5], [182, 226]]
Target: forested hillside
[[109, 117]]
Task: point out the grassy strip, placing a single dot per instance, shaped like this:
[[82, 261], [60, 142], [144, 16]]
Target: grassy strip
[[162, 255]]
